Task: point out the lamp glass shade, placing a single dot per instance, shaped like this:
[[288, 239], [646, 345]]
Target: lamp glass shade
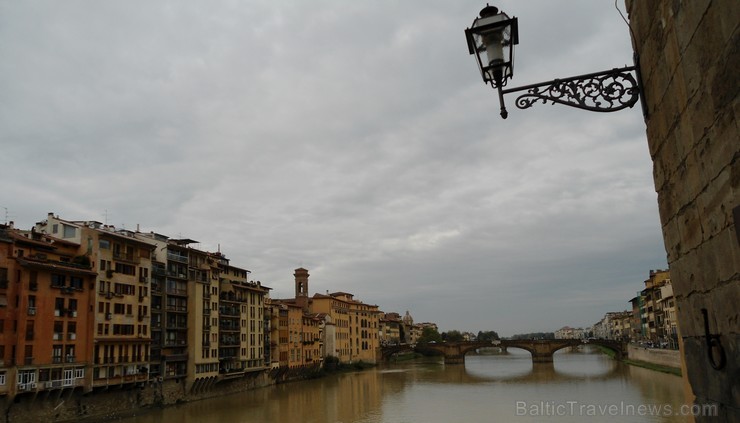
[[492, 38]]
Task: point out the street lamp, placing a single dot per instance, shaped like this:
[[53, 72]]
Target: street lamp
[[491, 38]]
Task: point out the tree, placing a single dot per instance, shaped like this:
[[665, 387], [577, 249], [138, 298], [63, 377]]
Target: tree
[[452, 336], [429, 334], [487, 336]]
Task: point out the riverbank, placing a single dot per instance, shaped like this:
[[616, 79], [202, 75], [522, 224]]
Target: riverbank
[[653, 360]]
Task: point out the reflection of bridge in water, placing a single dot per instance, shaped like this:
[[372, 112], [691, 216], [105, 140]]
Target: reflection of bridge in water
[[538, 373], [541, 350]]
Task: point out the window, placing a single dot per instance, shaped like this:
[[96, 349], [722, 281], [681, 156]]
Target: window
[[125, 269], [75, 282], [26, 376], [104, 244], [69, 231], [58, 281], [125, 289]]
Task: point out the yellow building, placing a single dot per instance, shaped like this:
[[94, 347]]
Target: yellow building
[[357, 325], [121, 312]]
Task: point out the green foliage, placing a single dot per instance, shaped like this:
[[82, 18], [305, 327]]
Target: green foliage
[[534, 335], [429, 335], [81, 260], [487, 336], [330, 359], [452, 336]]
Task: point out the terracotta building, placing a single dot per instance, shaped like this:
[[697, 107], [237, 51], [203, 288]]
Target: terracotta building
[[46, 328]]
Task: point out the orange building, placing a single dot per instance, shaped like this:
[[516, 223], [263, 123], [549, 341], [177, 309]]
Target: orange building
[[46, 330]]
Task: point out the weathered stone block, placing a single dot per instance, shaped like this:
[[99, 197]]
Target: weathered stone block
[[672, 241], [728, 245], [724, 83], [714, 205], [683, 274], [727, 14], [689, 226], [687, 16], [667, 202], [717, 150], [701, 114], [691, 176]]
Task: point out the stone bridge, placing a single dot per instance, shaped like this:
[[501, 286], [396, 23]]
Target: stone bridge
[[541, 350]]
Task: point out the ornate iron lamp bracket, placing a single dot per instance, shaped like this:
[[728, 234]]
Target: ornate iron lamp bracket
[[606, 91]]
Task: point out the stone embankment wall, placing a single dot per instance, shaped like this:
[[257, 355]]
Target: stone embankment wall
[[689, 61], [670, 358], [66, 406]]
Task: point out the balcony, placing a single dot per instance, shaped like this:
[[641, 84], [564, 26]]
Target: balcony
[[229, 311], [177, 308], [176, 357], [168, 343], [177, 291], [125, 257], [177, 257], [228, 342], [177, 275], [230, 328], [31, 311]]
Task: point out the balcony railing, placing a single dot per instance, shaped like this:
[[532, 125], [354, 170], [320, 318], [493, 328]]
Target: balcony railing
[[177, 291], [122, 256], [177, 257], [179, 308]]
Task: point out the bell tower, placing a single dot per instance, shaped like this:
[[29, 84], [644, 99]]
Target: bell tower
[[301, 287]]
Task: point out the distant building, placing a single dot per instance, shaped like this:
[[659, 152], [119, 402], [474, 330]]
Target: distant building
[[567, 332]]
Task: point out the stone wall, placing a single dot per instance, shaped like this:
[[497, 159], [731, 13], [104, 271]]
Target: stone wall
[[670, 358], [68, 405], [689, 65]]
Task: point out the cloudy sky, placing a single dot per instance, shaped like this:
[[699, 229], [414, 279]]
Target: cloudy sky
[[353, 138]]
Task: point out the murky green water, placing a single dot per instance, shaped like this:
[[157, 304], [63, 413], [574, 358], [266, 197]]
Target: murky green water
[[577, 387]]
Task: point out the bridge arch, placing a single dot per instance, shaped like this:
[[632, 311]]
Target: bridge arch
[[541, 350]]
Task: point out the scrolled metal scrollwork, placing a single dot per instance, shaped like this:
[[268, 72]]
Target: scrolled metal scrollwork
[[607, 91]]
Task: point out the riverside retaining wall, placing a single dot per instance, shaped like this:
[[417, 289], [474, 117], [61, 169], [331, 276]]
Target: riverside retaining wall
[[670, 358]]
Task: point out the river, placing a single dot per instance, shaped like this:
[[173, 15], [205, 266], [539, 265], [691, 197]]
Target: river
[[580, 386]]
